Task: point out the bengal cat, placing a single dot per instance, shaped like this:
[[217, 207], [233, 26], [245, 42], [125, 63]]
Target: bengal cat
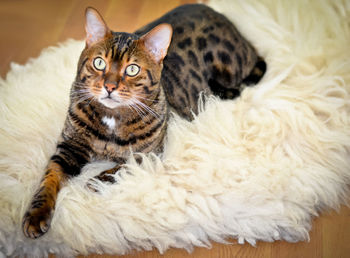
[[126, 84]]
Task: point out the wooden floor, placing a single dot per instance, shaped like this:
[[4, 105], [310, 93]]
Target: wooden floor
[[27, 26]]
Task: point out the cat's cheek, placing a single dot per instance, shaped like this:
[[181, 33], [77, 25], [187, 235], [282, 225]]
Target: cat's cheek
[[103, 93], [95, 93]]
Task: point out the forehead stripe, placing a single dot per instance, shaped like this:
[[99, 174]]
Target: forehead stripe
[[122, 55], [113, 52]]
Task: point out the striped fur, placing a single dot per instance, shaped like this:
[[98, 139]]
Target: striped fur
[[112, 111]]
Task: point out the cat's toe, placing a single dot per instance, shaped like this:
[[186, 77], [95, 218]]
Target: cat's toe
[[103, 177], [90, 185], [36, 225]]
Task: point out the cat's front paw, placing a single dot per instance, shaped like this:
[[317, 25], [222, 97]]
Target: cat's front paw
[[106, 177], [103, 177], [36, 222]]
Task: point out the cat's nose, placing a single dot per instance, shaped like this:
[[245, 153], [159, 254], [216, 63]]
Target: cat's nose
[[110, 87]]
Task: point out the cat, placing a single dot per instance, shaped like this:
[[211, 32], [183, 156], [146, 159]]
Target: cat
[[126, 84]]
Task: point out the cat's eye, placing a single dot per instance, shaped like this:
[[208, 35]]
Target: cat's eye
[[132, 70], [99, 63]]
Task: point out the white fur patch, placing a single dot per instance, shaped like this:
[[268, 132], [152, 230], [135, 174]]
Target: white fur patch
[[109, 121], [257, 168]]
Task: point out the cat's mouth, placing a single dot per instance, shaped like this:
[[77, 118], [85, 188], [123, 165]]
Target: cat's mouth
[[110, 102], [108, 97]]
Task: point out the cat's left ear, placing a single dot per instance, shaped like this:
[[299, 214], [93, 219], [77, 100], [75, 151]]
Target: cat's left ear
[[95, 26], [158, 40]]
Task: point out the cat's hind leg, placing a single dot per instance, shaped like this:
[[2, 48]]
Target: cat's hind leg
[[257, 72], [221, 81]]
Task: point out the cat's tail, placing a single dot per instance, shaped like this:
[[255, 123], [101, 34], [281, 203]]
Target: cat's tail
[[257, 73]]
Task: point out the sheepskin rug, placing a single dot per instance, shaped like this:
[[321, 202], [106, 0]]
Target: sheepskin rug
[[256, 168]]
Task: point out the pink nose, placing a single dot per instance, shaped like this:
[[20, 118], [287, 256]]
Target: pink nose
[[110, 87]]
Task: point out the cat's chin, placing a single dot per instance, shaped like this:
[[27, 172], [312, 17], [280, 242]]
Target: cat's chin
[[110, 103]]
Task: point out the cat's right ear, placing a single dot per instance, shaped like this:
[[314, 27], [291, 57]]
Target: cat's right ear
[[95, 26], [158, 40]]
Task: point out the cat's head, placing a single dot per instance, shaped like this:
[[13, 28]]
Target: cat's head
[[119, 69]]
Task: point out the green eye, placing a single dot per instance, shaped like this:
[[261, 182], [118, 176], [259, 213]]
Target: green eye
[[99, 63], [132, 70]]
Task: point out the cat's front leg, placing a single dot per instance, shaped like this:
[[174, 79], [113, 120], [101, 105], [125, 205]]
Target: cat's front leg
[[38, 217], [69, 158]]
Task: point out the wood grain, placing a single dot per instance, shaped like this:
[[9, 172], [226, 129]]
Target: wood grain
[[27, 26]]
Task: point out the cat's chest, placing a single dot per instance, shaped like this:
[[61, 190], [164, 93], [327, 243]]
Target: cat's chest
[[109, 123], [113, 139], [117, 138]]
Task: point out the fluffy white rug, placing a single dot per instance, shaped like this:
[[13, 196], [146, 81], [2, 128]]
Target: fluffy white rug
[[257, 168]]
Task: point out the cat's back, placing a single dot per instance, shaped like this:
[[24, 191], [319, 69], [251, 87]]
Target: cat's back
[[206, 54], [196, 27], [187, 19]]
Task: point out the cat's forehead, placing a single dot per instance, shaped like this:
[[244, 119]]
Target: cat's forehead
[[121, 40], [118, 44]]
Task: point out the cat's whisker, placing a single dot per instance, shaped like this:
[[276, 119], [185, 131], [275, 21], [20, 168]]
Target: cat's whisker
[[137, 111], [93, 98], [135, 108], [131, 108], [81, 97], [81, 85], [140, 110], [147, 108], [147, 99], [81, 94], [138, 107]]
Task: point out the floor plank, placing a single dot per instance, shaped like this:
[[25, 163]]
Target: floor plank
[[336, 233]]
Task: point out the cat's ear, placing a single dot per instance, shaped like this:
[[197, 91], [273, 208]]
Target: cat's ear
[[157, 41], [95, 26]]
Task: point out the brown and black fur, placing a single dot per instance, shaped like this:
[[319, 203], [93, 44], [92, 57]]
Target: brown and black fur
[[207, 54]]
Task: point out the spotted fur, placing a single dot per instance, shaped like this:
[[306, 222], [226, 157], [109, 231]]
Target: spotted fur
[[113, 111], [207, 54]]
